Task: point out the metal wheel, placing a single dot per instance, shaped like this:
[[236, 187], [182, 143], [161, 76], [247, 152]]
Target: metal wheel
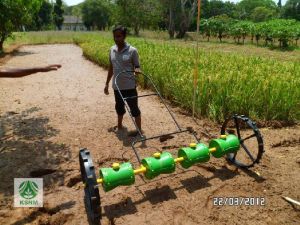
[[91, 191], [251, 141]]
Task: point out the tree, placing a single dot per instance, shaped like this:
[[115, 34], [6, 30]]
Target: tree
[[252, 31], [77, 12], [246, 7], [58, 14], [14, 15], [42, 19], [44, 15], [73, 10], [153, 14], [283, 30], [218, 7], [67, 9], [205, 28], [261, 14], [137, 14], [187, 12], [240, 30], [230, 9], [96, 13], [204, 11], [257, 32], [279, 4], [220, 25], [296, 32], [172, 10], [171, 19], [291, 10], [267, 31]]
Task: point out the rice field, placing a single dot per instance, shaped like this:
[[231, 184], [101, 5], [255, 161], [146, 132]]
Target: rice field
[[260, 87]]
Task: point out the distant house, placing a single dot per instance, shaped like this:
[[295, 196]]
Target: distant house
[[73, 23]]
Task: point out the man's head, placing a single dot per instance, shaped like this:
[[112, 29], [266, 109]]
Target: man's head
[[119, 33]]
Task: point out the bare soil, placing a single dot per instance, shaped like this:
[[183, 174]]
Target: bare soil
[[46, 118]]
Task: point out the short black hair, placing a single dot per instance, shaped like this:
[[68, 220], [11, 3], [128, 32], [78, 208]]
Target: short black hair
[[120, 28]]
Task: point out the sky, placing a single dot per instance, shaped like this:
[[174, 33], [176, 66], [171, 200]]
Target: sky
[[75, 2]]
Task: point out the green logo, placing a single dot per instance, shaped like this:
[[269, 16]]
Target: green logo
[[28, 189]]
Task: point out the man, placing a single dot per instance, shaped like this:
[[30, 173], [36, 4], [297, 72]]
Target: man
[[14, 73], [124, 57]]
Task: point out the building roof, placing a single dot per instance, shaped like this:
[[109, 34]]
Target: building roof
[[72, 19]]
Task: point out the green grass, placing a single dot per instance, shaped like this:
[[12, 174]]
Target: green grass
[[48, 37], [261, 87]]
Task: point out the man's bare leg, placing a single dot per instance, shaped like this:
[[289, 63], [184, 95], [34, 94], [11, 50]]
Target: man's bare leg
[[120, 121], [138, 121]]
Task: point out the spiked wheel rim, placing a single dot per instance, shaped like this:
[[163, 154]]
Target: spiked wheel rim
[[256, 134]]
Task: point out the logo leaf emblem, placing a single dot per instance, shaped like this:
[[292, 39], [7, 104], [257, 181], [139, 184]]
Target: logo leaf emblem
[[28, 189]]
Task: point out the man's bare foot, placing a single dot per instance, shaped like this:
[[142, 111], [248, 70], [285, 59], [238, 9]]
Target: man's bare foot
[[119, 130], [116, 129]]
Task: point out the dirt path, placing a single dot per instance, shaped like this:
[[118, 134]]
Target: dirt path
[[46, 118]]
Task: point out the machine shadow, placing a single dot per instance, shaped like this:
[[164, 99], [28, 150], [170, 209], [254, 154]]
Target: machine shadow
[[165, 193], [127, 206], [26, 151]]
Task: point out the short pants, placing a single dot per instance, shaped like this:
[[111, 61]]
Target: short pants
[[132, 102]]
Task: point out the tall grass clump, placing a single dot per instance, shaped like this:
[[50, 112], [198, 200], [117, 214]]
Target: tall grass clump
[[262, 88]]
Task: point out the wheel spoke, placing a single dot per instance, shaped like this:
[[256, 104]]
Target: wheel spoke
[[251, 136], [248, 152], [237, 128]]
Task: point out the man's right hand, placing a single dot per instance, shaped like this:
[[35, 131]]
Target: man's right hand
[[106, 90]]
